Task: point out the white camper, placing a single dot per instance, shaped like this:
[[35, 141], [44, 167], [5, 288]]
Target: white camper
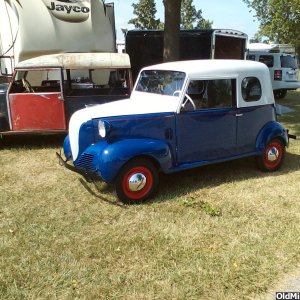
[[31, 28], [58, 56]]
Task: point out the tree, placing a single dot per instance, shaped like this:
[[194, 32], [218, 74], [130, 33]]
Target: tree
[[172, 28], [191, 18], [145, 11], [279, 20], [203, 23]]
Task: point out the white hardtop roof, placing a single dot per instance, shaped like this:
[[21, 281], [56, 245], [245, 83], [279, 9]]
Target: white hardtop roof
[[212, 67], [273, 48], [77, 61], [225, 69]]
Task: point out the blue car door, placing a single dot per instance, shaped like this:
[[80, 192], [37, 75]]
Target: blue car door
[[206, 127]]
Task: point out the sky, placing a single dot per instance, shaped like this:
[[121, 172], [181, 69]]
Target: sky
[[230, 14]]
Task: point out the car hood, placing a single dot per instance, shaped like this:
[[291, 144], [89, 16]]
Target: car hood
[[139, 103]]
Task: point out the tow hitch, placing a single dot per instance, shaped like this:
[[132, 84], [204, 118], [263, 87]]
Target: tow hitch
[[291, 136]]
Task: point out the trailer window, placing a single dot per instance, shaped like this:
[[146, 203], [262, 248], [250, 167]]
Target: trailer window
[[6, 65], [251, 89], [207, 94]]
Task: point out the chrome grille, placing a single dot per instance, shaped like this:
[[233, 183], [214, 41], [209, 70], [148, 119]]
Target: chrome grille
[[86, 162]]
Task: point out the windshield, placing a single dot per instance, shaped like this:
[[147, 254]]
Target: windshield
[[161, 82]]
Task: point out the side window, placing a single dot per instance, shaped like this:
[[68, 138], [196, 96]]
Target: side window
[[210, 94], [251, 89], [267, 60]]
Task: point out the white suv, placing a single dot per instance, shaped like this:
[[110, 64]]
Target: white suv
[[283, 69]]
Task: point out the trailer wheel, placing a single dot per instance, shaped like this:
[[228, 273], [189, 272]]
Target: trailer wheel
[[137, 181], [272, 156]]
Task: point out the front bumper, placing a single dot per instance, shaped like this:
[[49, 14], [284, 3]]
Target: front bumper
[[88, 176]]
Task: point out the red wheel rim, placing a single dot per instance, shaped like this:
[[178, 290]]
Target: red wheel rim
[[273, 155], [139, 194]]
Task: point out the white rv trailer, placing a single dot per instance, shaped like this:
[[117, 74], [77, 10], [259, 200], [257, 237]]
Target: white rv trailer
[[31, 28]]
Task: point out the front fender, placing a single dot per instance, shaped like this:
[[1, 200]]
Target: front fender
[[270, 131], [67, 148], [109, 158]]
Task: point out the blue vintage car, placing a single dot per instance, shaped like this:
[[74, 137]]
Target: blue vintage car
[[180, 115]]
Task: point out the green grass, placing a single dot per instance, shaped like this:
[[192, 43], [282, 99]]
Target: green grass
[[226, 231]]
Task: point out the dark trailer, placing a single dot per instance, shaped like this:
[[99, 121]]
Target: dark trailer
[[145, 47]]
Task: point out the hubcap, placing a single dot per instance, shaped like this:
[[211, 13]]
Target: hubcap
[[273, 154], [137, 182]]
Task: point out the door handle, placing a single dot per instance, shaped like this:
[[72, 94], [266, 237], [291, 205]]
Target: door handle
[[239, 115], [169, 134]]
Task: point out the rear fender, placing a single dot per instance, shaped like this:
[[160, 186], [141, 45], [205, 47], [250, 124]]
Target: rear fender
[[271, 131]]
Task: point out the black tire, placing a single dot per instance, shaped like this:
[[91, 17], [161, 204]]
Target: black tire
[[280, 94], [143, 176], [272, 156]]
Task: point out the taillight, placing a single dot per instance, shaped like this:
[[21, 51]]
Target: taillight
[[277, 75]]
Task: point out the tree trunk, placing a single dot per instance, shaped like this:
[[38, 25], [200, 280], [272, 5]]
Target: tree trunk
[[172, 28]]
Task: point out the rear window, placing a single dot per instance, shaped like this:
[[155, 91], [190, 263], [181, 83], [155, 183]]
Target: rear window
[[288, 61], [251, 89], [267, 60]]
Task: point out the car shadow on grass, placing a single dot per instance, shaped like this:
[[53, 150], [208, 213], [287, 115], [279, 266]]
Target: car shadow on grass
[[30, 141], [98, 190]]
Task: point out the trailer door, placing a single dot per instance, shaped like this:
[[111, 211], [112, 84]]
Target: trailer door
[[229, 46], [36, 101]]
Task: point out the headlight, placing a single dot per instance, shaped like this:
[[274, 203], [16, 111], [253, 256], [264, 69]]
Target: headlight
[[102, 129]]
